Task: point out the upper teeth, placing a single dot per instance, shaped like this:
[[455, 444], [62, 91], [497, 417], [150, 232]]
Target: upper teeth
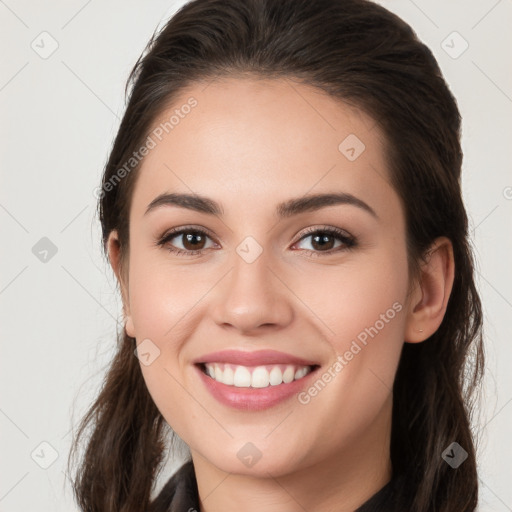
[[255, 376]]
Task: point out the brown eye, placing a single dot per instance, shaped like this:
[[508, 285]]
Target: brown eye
[[324, 240], [192, 241]]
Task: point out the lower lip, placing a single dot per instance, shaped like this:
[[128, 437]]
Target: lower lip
[[253, 399]]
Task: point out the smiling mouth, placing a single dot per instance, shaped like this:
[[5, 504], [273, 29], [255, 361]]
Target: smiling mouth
[[262, 376]]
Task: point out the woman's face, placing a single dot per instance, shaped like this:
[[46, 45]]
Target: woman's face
[[266, 282]]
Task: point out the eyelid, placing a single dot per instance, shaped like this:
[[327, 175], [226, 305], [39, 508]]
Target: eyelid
[[175, 232], [327, 229], [187, 227], [348, 241], [307, 231]]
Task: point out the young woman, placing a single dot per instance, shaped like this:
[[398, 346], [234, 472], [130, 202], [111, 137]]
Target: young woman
[[282, 209]]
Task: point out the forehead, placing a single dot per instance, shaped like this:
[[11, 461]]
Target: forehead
[[256, 140]]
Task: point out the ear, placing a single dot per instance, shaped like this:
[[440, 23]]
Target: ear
[[429, 299], [114, 256]]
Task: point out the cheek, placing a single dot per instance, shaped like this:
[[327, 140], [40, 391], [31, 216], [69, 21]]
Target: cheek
[[361, 299], [164, 304], [362, 310], [161, 304], [161, 296], [369, 304]]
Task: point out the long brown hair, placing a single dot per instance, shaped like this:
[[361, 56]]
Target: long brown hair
[[362, 54]]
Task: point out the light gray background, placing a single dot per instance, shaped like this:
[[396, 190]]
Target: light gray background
[[58, 118]]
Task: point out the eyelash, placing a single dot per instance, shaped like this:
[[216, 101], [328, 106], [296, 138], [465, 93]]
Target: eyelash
[[348, 241]]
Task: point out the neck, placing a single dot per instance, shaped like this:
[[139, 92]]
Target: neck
[[342, 481]]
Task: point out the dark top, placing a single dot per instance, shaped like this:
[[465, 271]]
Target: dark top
[[180, 494]]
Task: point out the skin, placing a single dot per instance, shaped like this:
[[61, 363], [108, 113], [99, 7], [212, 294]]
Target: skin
[[250, 144]]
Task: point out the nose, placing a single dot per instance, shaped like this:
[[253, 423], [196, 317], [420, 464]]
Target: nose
[[253, 297]]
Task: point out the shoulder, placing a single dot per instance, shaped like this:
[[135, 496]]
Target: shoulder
[[179, 493], [393, 496]]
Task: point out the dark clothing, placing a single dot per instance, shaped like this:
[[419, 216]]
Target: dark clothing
[[180, 494]]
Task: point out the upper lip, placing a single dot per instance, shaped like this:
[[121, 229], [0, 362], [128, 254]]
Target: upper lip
[[253, 358]]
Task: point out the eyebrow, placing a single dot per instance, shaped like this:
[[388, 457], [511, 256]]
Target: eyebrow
[[285, 209]]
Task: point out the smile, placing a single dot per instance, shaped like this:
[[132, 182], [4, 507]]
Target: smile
[[254, 380], [255, 376]]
